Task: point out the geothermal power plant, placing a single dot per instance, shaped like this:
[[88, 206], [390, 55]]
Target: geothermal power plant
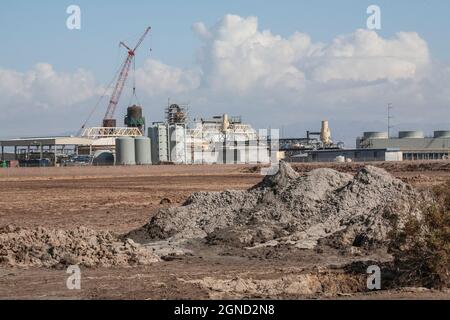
[[222, 139]]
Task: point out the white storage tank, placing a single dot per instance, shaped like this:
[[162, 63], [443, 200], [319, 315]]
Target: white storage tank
[[442, 134], [375, 135], [142, 146], [410, 134], [125, 151]]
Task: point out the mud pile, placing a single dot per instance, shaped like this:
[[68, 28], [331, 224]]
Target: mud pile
[[41, 247], [322, 206]]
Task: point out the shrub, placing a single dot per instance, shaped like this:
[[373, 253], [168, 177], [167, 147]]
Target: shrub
[[421, 247]]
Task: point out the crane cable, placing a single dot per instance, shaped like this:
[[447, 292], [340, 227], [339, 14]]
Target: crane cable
[[134, 77], [134, 95], [98, 101]]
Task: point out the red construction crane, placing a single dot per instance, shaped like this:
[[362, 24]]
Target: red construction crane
[[108, 120]]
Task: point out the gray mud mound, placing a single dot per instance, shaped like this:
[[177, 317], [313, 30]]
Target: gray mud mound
[[41, 247], [323, 206]]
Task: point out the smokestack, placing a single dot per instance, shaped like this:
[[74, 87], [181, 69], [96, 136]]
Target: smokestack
[[325, 133], [225, 123]]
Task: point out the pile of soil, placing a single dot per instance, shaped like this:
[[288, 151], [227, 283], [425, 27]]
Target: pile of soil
[[40, 247], [322, 206]]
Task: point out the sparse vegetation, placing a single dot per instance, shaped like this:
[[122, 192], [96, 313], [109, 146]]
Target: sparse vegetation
[[422, 247]]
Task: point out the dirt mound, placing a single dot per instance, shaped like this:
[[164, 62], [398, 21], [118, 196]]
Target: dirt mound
[[41, 247], [320, 282], [323, 205]]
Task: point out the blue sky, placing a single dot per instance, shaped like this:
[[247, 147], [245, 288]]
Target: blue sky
[[35, 31], [295, 92]]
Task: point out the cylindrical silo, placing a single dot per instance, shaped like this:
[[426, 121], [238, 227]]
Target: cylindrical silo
[[411, 134], [143, 150], [375, 135], [125, 151], [442, 134]]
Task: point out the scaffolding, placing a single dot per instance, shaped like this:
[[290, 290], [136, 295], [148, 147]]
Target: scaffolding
[[176, 114]]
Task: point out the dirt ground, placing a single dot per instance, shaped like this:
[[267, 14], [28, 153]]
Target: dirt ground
[[121, 199]]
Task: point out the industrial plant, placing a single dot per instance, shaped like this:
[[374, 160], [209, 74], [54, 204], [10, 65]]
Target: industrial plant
[[219, 139], [178, 139]]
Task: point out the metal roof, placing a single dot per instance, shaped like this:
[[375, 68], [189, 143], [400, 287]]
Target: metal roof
[[45, 141]]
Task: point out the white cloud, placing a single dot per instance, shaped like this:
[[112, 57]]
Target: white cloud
[[365, 56], [354, 75], [201, 30], [238, 56], [158, 79], [268, 78], [44, 87], [42, 100]]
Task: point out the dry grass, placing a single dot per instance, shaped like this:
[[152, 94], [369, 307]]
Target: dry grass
[[422, 248]]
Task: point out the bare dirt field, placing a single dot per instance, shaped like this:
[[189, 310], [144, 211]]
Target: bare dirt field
[[121, 199]]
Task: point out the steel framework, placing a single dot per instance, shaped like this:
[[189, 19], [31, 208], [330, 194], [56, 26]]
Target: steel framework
[[107, 132]]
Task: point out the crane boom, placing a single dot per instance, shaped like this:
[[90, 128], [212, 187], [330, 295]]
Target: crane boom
[[118, 88], [108, 120], [142, 38]]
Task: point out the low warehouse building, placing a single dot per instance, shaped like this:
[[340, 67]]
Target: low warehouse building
[[354, 155], [43, 148], [413, 144]]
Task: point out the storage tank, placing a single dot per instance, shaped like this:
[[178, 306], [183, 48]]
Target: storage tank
[[411, 134], [142, 147], [134, 118], [375, 135], [125, 151], [442, 134]]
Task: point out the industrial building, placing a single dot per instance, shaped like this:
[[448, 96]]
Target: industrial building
[[93, 142], [414, 145], [51, 148], [372, 146], [346, 155], [315, 147], [221, 139]]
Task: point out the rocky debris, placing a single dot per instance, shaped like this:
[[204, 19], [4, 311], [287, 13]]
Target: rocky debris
[[322, 206], [40, 247]]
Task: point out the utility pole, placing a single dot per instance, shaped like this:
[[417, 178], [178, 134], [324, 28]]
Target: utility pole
[[389, 117]]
